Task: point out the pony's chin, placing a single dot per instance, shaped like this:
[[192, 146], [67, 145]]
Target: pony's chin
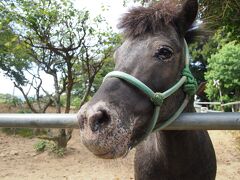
[[108, 155], [116, 152], [112, 154]]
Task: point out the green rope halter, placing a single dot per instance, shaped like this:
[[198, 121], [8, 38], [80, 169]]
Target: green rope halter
[[189, 86]]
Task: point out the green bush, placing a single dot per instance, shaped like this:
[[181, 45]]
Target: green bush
[[50, 146], [40, 145], [224, 66]]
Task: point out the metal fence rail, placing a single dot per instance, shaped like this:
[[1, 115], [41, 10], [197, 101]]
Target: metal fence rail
[[187, 121]]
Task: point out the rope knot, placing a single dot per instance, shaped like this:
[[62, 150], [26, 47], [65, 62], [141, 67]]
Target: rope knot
[[190, 86], [157, 99]]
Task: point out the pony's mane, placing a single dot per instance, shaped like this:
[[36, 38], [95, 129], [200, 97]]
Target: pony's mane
[[142, 20]]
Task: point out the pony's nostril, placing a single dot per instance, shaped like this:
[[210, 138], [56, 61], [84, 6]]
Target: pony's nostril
[[99, 120]]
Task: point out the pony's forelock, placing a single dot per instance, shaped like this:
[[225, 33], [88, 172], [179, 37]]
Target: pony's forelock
[[142, 20]]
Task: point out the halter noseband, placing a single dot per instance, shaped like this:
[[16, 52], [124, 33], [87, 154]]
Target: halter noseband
[[189, 86]]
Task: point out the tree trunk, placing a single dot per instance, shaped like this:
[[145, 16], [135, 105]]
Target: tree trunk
[[65, 135], [84, 98], [69, 87], [57, 94], [62, 139]]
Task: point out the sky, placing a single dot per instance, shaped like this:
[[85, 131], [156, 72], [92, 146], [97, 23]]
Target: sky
[[115, 9]]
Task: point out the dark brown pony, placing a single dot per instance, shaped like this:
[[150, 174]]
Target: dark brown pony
[[117, 115]]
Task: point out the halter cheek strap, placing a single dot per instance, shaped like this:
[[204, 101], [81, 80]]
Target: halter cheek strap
[[189, 86]]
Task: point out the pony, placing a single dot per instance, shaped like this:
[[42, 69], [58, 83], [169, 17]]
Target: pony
[[122, 115]]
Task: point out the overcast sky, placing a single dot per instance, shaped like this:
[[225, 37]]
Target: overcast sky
[[115, 9]]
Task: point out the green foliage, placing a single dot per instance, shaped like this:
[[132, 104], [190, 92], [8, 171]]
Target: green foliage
[[202, 50], [10, 100], [58, 151], [225, 67], [222, 13], [13, 55], [40, 145], [222, 19], [50, 146]]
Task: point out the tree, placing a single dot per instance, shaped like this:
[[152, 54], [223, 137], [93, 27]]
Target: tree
[[12, 54], [223, 74], [222, 14]]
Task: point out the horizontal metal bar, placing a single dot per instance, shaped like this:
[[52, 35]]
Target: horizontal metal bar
[[207, 103], [217, 103], [208, 121], [186, 121], [231, 103], [39, 120]]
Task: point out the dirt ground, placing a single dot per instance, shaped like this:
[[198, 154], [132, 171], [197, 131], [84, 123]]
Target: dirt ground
[[18, 160]]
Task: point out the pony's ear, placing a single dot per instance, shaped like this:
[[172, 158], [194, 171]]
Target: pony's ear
[[186, 16]]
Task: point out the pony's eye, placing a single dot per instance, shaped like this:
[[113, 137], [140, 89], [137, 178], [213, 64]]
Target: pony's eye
[[164, 53]]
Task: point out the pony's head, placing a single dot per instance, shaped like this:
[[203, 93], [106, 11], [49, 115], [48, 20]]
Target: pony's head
[[153, 52]]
